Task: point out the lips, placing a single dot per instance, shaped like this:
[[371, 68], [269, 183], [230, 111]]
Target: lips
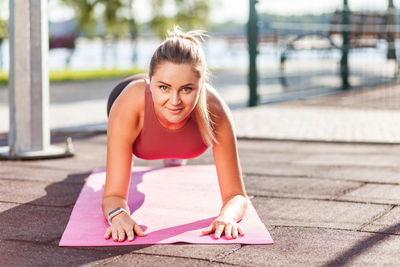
[[175, 110]]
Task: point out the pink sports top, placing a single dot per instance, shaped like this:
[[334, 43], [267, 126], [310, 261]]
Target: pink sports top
[[157, 142]]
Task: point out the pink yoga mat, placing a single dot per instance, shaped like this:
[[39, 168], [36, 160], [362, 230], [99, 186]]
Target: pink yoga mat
[[170, 204]]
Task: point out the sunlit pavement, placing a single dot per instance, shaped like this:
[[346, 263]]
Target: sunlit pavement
[[324, 203]]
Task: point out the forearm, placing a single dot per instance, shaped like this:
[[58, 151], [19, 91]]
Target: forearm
[[234, 207], [113, 202]]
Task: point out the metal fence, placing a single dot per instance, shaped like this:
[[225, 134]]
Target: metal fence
[[350, 44]]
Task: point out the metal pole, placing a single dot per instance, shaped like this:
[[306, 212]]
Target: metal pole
[[252, 37], [344, 64], [29, 134], [391, 30]]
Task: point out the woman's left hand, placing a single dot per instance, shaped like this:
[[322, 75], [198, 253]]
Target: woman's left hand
[[226, 225]]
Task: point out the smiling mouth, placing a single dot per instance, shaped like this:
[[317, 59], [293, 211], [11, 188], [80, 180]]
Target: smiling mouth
[[175, 110]]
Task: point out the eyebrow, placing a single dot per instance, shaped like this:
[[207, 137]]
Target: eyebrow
[[181, 86]]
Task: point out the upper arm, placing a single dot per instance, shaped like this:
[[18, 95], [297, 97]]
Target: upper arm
[[124, 125], [225, 152]]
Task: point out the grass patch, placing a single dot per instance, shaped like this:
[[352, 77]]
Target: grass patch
[[82, 75], [3, 78]]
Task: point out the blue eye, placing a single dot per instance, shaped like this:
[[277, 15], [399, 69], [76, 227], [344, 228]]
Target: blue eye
[[163, 88], [187, 89]]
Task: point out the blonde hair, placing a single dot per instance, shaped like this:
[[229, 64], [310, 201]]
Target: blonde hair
[[180, 48]]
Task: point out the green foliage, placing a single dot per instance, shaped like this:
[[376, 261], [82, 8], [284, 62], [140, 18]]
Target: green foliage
[[3, 78], [84, 10], [114, 16], [3, 24], [118, 19], [191, 14], [3, 30], [68, 75], [114, 25]]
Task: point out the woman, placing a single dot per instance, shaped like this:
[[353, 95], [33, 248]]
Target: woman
[[175, 114]]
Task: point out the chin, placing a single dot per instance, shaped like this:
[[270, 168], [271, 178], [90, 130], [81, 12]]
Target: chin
[[176, 119]]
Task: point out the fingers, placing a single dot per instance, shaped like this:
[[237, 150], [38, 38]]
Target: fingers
[[228, 231], [240, 230], [209, 229], [108, 233], [118, 232], [129, 232], [121, 234], [235, 232], [231, 231], [114, 233], [218, 230], [138, 230]]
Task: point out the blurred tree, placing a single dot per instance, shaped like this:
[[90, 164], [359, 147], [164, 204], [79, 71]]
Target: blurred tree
[[116, 25], [191, 14], [84, 10], [159, 23], [116, 16]]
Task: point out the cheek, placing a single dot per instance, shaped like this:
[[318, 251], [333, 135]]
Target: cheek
[[160, 99], [190, 100]]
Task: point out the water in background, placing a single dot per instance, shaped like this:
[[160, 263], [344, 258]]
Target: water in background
[[95, 54], [220, 53]]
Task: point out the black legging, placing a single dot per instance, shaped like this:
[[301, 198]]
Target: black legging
[[120, 87]]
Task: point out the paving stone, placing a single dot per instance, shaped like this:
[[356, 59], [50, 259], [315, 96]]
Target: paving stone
[[358, 173], [315, 213], [320, 247], [17, 253], [348, 160], [385, 96], [389, 223], [318, 123], [334, 172], [331, 147], [375, 193], [155, 260], [90, 153], [32, 223], [309, 148], [296, 187], [11, 170], [290, 170], [39, 193], [198, 251]]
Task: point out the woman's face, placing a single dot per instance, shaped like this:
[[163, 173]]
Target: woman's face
[[175, 90]]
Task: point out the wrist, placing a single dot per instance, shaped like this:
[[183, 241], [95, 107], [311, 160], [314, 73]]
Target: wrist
[[114, 213], [234, 208]]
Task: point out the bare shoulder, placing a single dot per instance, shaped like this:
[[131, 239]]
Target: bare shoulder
[[217, 107], [131, 100], [127, 112]]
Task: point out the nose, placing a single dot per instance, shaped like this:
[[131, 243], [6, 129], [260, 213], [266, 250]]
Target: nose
[[175, 99]]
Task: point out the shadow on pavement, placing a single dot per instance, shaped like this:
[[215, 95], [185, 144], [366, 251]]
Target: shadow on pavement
[[363, 246], [31, 231]]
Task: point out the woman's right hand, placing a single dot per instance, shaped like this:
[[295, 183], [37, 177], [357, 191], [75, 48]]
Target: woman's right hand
[[122, 225]]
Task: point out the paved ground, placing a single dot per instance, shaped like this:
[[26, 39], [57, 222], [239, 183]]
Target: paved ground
[[324, 203]]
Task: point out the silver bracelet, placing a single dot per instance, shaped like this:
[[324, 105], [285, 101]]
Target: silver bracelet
[[115, 212]]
